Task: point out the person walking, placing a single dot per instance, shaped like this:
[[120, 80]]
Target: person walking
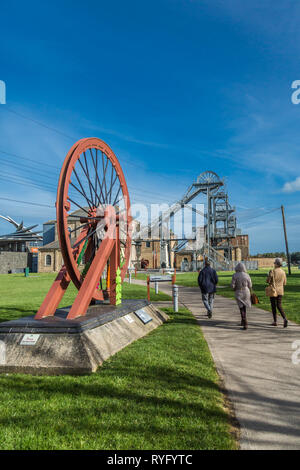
[[277, 281], [207, 281], [241, 284]]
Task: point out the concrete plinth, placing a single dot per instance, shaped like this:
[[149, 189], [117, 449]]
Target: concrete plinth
[[55, 345]]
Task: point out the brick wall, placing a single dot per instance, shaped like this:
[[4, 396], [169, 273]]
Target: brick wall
[[264, 262]]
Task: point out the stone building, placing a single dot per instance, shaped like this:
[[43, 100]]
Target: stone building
[[18, 250], [263, 263], [240, 248], [150, 252], [50, 257], [147, 252], [187, 253]]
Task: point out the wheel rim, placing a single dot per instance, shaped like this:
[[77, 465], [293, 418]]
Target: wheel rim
[[91, 180]]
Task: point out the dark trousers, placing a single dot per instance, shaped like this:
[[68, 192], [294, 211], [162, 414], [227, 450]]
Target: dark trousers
[[243, 313], [276, 305]]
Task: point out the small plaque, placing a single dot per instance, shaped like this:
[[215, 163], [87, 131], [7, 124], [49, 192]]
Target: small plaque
[[129, 318], [143, 316], [160, 278], [29, 340]]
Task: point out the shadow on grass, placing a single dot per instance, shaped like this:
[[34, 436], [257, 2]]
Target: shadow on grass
[[102, 398], [12, 313]]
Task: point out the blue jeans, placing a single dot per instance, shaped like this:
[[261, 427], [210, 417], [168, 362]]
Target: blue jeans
[[208, 300]]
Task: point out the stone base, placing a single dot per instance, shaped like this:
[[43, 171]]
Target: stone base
[[79, 346]]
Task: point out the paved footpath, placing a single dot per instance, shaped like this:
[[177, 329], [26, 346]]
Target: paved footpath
[[257, 369]]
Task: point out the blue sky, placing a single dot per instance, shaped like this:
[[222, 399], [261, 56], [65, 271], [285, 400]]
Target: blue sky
[[174, 87]]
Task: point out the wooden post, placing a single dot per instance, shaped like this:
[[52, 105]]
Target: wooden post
[[286, 240], [135, 272], [148, 288]]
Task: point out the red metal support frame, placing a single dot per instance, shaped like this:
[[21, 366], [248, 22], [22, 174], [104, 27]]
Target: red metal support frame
[[54, 295], [107, 250], [91, 280], [59, 286]]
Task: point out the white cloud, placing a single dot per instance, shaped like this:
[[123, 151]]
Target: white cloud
[[292, 186]]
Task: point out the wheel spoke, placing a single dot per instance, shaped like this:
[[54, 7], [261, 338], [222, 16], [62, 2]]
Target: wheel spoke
[[82, 240], [77, 206], [77, 228], [97, 178], [95, 166], [88, 175], [89, 181], [104, 176], [115, 201], [75, 173], [84, 216], [87, 199], [112, 184]]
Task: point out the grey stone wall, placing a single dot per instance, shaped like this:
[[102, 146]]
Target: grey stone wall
[[13, 261]]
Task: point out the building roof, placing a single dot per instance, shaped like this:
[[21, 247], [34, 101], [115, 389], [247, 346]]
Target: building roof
[[79, 212], [22, 233], [50, 246], [54, 245]]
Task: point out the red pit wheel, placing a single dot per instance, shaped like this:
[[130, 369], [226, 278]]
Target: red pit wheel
[[92, 192]]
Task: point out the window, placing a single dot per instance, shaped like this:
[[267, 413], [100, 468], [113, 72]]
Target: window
[[48, 260], [148, 244]]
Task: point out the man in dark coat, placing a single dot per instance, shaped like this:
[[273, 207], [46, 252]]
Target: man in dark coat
[[208, 280]]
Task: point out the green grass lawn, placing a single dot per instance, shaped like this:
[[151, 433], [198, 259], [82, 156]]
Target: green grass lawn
[[291, 300], [21, 296], [160, 392]]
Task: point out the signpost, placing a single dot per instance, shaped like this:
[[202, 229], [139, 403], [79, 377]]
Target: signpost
[[160, 278]]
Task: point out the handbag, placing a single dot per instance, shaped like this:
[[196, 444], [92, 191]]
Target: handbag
[[254, 299], [270, 289]]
